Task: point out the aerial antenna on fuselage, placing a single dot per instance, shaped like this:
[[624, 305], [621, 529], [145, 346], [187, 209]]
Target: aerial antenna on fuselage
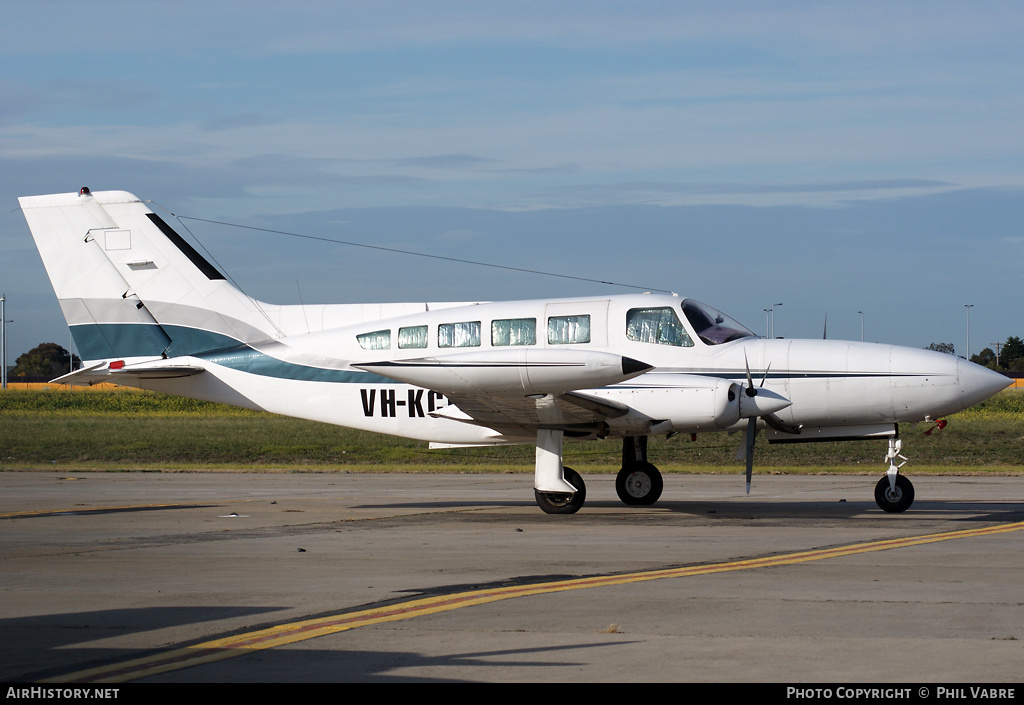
[[417, 254], [302, 304], [224, 271]]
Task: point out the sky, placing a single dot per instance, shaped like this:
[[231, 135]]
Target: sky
[[855, 162]]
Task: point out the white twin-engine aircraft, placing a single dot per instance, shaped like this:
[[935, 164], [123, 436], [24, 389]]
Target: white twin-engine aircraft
[[147, 310]]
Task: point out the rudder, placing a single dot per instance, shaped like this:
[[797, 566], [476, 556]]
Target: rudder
[[129, 286]]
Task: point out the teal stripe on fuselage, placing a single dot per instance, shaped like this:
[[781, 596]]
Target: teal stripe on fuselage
[[245, 359], [106, 341], [102, 341]]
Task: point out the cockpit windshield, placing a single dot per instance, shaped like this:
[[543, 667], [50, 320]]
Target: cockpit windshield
[[713, 326]]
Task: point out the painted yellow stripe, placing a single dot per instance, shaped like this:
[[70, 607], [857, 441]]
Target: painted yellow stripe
[[291, 633]]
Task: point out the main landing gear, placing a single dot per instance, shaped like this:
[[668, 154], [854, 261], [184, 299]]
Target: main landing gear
[[558, 489], [638, 482], [561, 490], [894, 492], [563, 502]]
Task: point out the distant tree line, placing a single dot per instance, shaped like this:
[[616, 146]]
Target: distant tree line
[[1010, 360], [45, 360], [1011, 356]]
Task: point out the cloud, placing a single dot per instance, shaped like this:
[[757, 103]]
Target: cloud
[[232, 122], [674, 193], [445, 161]]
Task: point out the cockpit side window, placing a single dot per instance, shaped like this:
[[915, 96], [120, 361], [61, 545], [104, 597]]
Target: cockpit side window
[[712, 326], [656, 325]]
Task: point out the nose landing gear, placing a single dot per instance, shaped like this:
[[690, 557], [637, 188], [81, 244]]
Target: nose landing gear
[[894, 493]]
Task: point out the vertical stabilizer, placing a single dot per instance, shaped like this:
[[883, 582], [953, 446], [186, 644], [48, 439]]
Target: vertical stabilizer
[[130, 286]]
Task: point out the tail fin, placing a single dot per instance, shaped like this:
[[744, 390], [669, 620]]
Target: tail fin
[[129, 286]]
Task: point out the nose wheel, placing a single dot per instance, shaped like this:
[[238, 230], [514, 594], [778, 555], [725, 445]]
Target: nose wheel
[[894, 493], [894, 497]]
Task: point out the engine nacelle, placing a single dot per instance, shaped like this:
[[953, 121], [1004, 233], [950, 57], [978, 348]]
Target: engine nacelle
[[681, 403]]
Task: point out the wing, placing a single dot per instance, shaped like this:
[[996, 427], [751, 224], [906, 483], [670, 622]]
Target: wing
[[575, 413], [517, 392], [510, 371]]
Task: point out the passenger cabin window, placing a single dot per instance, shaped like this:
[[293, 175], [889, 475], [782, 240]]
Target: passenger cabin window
[[566, 330], [377, 340], [459, 335], [514, 331], [656, 325], [412, 337]]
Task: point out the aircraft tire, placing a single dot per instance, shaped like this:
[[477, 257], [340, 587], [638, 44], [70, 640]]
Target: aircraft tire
[[894, 501], [639, 484], [563, 503]]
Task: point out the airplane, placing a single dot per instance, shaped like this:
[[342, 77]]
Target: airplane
[[147, 310]]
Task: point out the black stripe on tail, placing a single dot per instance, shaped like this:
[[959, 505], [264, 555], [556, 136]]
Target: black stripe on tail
[[186, 249]]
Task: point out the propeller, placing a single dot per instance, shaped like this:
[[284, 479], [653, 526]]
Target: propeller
[[751, 434], [757, 402]]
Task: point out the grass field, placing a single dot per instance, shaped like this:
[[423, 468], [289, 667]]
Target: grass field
[[130, 430]]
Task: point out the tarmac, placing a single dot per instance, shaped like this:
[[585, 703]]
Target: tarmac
[[332, 577]]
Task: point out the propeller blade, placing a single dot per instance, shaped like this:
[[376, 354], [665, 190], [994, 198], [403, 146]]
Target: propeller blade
[[750, 436], [751, 390]]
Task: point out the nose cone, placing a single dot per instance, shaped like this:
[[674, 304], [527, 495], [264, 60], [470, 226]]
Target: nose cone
[[978, 383], [764, 402]]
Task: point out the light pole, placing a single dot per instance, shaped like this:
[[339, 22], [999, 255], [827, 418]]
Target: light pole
[[773, 320], [997, 346], [968, 307], [3, 341], [767, 325], [861, 325]]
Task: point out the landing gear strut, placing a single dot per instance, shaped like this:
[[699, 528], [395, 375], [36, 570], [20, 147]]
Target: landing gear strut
[[558, 489], [563, 502], [894, 493], [638, 482]]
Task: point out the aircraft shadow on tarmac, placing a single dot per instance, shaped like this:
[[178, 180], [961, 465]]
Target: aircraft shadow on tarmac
[[795, 511], [43, 646], [47, 650], [352, 666]]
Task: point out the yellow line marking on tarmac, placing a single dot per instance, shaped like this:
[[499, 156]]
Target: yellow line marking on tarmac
[[291, 633]]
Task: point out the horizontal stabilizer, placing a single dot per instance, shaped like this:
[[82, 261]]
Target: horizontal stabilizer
[[160, 372], [111, 373], [87, 375]]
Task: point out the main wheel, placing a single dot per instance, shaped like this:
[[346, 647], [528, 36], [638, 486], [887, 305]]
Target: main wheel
[[639, 483], [894, 500], [564, 502]]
